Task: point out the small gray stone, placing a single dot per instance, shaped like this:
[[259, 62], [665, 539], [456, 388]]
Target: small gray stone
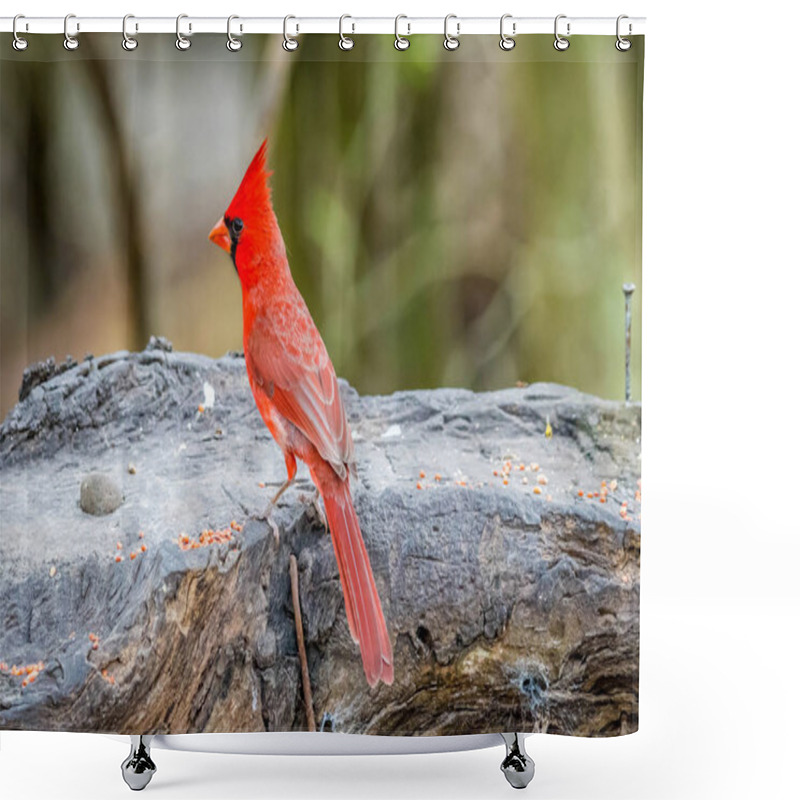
[[99, 494]]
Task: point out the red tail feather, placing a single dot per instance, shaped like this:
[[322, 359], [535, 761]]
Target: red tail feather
[[361, 601]]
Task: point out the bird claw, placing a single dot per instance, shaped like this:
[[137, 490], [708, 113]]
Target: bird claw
[[276, 531], [266, 516], [315, 510]]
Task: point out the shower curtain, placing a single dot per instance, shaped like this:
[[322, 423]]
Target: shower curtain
[[423, 307]]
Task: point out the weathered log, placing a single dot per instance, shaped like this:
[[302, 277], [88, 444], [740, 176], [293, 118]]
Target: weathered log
[[509, 609]]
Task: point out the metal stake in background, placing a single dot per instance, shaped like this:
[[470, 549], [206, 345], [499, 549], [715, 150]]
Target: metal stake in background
[[628, 290]]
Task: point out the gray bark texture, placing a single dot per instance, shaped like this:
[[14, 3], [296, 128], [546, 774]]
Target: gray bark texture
[[509, 610]]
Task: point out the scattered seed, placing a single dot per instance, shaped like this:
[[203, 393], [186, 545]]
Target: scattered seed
[[419, 485], [505, 481], [117, 559], [261, 484], [141, 534], [119, 545], [133, 555], [437, 477], [613, 485], [144, 548], [131, 468], [542, 479], [537, 490], [580, 492], [52, 571], [201, 408]]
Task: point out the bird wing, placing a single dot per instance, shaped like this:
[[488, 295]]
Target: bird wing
[[290, 362]]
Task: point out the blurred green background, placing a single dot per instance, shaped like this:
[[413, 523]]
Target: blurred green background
[[460, 219]]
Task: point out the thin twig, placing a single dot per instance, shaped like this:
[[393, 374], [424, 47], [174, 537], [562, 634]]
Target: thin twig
[[301, 645]]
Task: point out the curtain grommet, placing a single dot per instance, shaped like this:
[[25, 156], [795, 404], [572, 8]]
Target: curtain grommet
[[18, 43], [622, 44], [451, 42], [182, 42], [560, 43], [401, 43], [507, 42], [345, 42], [70, 42], [290, 43], [234, 43], [129, 42]]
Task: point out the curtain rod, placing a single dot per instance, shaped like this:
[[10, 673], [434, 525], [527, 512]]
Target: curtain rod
[[458, 26]]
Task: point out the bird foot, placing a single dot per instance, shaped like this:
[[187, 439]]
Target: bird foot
[[314, 509], [266, 516]]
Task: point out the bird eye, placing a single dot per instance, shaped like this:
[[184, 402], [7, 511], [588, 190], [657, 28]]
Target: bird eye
[[237, 226]]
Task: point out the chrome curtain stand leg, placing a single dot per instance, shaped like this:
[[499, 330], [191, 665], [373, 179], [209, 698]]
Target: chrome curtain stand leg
[[517, 766], [138, 768]]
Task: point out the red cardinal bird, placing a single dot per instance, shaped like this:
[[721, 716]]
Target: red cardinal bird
[[295, 388]]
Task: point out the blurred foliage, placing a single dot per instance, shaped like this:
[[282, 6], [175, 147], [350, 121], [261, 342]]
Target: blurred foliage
[[462, 219]]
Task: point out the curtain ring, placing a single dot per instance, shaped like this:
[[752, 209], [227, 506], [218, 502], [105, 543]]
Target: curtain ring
[[181, 42], [451, 42], [290, 44], [128, 42], [400, 42], [233, 44], [507, 42], [561, 43], [19, 43], [345, 42], [623, 44], [70, 42]]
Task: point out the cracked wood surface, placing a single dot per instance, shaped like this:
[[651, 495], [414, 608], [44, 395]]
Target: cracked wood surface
[[508, 609]]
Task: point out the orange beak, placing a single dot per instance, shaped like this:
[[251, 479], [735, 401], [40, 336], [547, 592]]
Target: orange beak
[[219, 235]]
